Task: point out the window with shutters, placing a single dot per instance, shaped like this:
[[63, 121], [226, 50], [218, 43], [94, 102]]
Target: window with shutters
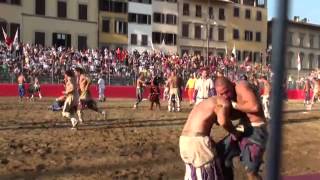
[[83, 12], [197, 31], [170, 39], [221, 34], [157, 37], [186, 9], [39, 38], [198, 11], [248, 35], [185, 30], [259, 16], [105, 25], [221, 14], [236, 34], [258, 36], [62, 9], [82, 42], [236, 11], [144, 40], [248, 14], [40, 7], [134, 39], [120, 27], [158, 18], [210, 12], [171, 19]]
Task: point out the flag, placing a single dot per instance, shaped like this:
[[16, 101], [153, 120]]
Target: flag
[[162, 46], [234, 52], [15, 40], [7, 39], [152, 47], [163, 43], [4, 34], [299, 62], [226, 49]]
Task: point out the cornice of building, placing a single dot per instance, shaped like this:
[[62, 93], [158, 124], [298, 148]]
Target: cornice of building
[[300, 24], [59, 19]]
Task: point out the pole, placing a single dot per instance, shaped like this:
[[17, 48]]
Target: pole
[[207, 44], [53, 68], [109, 64], [207, 28], [278, 54]]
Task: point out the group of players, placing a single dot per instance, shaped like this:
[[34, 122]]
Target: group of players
[[77, 96], [204, 158], [33, 89]]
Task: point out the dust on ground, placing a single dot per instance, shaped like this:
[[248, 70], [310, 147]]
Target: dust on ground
[[36, 143]]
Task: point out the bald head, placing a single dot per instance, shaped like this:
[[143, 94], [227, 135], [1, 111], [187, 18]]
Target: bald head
[[224, 88], [222, 81]]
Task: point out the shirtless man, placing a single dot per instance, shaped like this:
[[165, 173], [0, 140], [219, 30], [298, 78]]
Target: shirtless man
[[72, 97], [265, 96], [197, 149], [139, 90], [21, 89], [85, 98], [36, 89], [173, 92], [307, 90], [316, 89], [253, 140]]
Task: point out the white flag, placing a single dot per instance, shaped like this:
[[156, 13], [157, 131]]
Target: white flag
[[4, 34], [299, 62], [226, 49], [15, 41], [234, 52], [163, 43], [152, 47]]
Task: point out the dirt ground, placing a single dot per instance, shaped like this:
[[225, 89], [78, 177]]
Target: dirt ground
[[36, 143]]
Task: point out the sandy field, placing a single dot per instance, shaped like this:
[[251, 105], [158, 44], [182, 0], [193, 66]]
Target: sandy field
[[36, 143]]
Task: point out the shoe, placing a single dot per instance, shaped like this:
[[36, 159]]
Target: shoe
[[74, 122], [104, 114]]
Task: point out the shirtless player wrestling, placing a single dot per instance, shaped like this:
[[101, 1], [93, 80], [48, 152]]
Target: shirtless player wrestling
[[252, 142], [197, 149]]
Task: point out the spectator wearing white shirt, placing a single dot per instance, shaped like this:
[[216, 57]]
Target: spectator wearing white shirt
[[101, 86], [203, 87]]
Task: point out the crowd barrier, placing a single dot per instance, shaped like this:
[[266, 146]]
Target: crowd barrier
[[55, 90]]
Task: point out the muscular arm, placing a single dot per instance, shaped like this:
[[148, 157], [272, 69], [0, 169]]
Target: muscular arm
[[248, 100], [88, 83], [223, 116]]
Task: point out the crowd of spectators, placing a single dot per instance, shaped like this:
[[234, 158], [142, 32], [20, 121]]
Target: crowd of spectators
[[50, 63]]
